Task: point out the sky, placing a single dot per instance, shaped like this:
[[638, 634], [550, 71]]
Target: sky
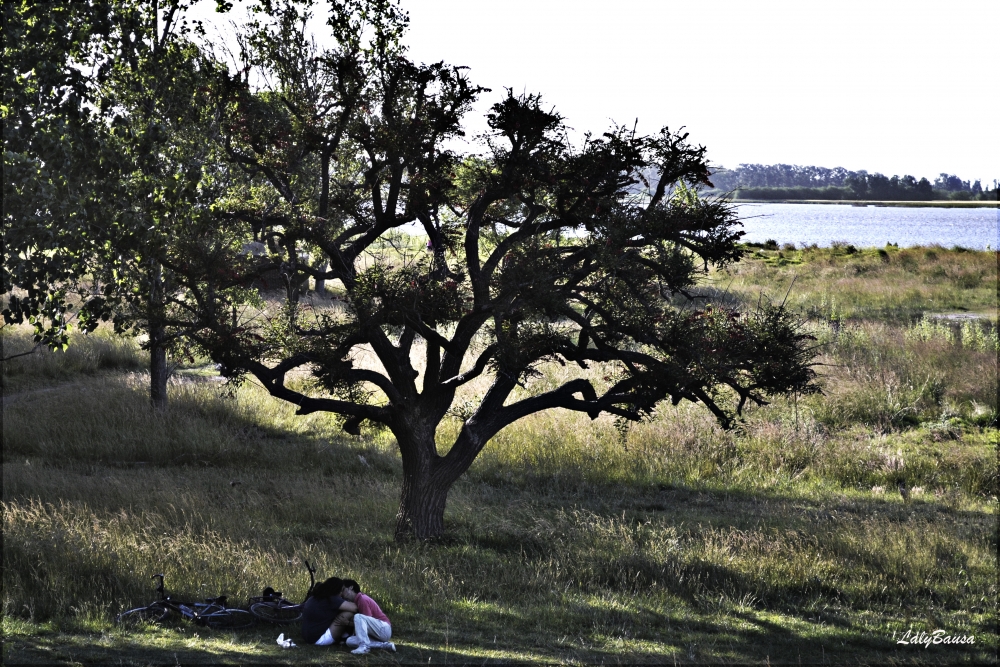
[[883, 85]]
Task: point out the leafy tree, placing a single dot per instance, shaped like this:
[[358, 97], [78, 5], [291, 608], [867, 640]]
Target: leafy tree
[[857, 183], [113, 173], [162, 235], [924, 189], [950, 183], [539, 251], [53, 161]]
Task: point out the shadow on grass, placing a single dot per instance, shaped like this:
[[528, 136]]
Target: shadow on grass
[[681, 641], [683, 637], [694, 578], [678, 620]]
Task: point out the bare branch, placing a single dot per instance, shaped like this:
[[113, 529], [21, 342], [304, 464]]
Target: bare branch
[[274, 383], [37, 347], [475, 371]]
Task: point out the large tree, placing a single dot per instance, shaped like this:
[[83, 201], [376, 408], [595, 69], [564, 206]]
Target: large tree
[[539, 250]]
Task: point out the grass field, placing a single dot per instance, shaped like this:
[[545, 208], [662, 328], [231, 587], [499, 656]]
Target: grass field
[[785, 540]]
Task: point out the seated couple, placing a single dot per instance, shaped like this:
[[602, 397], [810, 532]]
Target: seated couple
[[336, 605]]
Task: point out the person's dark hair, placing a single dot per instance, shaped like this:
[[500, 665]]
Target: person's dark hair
[[350, 583], [328, 589]]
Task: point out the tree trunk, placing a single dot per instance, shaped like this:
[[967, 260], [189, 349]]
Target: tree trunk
[[157, 370], [426, 482], [427, 478], [421, 510], [320, 282], [157, 335]]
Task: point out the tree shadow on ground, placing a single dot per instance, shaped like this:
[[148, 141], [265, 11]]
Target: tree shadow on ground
[[695, 642]]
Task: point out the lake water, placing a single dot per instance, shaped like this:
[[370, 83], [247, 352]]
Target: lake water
[[870, 226]]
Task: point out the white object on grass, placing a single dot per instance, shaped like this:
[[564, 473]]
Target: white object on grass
[[285, 643]]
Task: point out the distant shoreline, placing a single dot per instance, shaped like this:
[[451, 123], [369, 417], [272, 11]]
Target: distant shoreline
[[848, 202]]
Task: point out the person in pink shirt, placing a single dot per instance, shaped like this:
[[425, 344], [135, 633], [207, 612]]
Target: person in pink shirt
[[369, 621]]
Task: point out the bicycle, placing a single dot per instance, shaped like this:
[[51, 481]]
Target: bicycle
[[270, 606], [213, 612]]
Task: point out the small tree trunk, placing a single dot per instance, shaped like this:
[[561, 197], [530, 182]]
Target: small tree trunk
[[157, 372], [157, 334], [320, 282]]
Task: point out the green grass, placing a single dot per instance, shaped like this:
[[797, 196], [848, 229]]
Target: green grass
[[86, 355], [784, 540], [883, 284]]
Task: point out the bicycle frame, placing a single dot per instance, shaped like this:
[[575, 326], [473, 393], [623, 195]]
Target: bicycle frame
[[213, 612], [312, 579], [193, 611]]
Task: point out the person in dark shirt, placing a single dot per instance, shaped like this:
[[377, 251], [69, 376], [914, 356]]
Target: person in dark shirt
[[326, 615]]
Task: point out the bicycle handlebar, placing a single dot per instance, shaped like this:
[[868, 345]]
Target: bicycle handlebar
[[312, 579], [159, 586]]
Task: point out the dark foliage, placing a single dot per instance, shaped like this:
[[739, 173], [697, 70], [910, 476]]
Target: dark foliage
[[786, 181], [538, 251]]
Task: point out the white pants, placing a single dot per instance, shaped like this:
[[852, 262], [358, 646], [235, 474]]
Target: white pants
[[326, 639], [365, 626]]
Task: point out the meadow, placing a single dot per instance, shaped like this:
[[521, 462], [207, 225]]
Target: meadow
[[784, 540]]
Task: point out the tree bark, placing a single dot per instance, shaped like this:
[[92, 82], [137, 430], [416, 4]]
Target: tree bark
[[157, 370], [421, 509], [320, 282], [427, 478], [157, 336]]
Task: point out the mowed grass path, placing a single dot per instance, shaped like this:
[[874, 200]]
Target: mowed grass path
[[782, 541]]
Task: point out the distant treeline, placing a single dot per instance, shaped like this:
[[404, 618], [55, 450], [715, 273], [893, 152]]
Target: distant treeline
[[790, 181]]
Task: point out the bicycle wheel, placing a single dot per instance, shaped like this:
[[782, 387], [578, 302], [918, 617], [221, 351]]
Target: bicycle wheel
[[154, 613], [229, 619], [278, 613]]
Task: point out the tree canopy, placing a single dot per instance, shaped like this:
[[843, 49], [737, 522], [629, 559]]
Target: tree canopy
[[539, 251], [53, 144], [111, 165], [303, 163]]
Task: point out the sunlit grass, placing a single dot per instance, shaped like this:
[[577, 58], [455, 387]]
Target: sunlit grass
[[35, 365], [784, 540], [890, 284]]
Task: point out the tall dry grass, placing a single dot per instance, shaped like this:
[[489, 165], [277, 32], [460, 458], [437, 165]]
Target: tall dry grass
[[888, 284], [564, 543], [86, 355]]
